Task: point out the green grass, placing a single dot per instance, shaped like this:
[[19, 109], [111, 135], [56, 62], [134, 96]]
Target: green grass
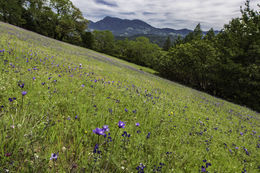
[[179, 128]]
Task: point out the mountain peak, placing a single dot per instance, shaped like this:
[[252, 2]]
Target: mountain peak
[[126, 27]]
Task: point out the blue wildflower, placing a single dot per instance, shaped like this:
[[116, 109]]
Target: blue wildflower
[[96, 150], [54, 156], [121, 124], [105, 128], [99, 131], [148, 135], [140, 168], [24, 93], [203, 169], [21, 85]]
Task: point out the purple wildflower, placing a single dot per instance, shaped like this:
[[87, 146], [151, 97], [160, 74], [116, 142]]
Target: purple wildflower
[[105, 128], [148, 135], [96, 150], [21, 85], [125, 134], [99, 131], [126, 110], [24, 93], [208, 164], [121, 124], [203, 169], [54, 156], [140, 168], [137, 124], [8, 154]]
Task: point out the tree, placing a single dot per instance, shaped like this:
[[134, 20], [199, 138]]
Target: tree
[[11, 11], [167, 44], [69, 21], [191, 63], [210, 35], [239, 44], [195, 35], [104, 41], [87, 40]]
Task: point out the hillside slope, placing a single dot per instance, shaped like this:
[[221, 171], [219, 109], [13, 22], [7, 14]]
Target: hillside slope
[[68, 109]]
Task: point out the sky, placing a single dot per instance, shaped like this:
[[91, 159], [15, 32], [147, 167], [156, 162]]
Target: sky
[[175, 14]]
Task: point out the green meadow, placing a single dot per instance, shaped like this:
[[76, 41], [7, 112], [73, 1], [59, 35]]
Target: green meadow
[[69, 109]]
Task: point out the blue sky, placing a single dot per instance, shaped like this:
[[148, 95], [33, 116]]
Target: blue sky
[[176, 14]]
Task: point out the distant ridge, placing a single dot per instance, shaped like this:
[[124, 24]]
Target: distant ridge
[[128, 28]]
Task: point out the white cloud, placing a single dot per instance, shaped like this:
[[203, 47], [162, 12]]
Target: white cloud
[[176, 14]]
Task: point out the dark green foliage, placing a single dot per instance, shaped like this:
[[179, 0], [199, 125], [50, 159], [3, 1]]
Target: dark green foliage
[[226, 65], [157, 39], [210, 35], [58, 19], [167, 44], [104, 42], [11, 11], [239, 45], [195, 35], [139, 51], [191, 63], [87, 40]]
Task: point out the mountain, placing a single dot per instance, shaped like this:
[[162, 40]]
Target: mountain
[[128, 28]]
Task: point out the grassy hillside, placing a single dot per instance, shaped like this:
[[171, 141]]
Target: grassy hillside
[[53, 95]]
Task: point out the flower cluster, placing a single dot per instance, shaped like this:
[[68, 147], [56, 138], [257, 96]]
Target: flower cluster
[[203, 168], [101, 131], [140, 168], [121, 124], [158, 168]]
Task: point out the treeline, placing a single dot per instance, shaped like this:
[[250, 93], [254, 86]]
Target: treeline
[[58, 19], [139, 51], [226, 65]]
